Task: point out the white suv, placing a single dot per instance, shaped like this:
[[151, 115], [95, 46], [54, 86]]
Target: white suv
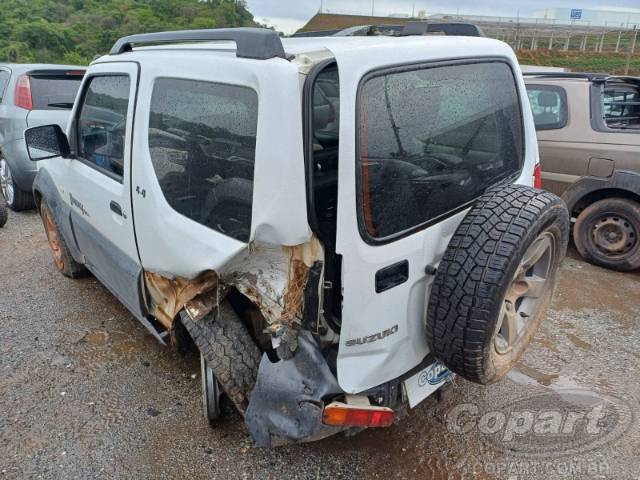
[[337, 223]]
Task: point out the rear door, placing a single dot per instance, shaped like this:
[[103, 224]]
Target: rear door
[[97, 181], [430, 137]]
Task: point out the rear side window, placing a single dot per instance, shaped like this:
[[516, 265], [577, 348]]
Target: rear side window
[[431, 140], [102, 123], [549, 106], [49, 92], [621, 107], [202, 141], [4, 80]]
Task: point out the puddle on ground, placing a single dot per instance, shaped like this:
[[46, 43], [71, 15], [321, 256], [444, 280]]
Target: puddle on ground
[[526, 375], [97, 337], [578, 342]]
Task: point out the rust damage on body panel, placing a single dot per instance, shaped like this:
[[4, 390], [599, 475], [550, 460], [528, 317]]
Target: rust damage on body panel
[[273, 278], [169, 295]]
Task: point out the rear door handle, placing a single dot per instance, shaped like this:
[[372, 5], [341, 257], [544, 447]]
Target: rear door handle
[[116, 208], [392, 276]]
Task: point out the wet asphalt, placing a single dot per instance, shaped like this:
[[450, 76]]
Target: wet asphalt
[[86, 392]]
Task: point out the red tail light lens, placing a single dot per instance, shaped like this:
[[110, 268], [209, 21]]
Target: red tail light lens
[[343, 415], [23, 93], [537, 176]]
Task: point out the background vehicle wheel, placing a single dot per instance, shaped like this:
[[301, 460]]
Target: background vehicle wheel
[[606, 234], [16, 199], [4, 214], [62, 257], [227, 347], [495, 281], [211, 393]]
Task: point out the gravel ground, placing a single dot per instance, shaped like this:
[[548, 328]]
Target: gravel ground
[[86, 392]]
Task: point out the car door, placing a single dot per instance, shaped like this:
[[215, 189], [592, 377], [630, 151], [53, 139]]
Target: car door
[[97, 179], [561, 116], [430, 137]]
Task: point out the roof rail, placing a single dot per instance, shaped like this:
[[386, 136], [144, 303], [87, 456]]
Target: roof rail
[[592, 77], [256, 43]]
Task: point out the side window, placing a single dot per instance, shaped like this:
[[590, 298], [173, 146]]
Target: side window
[[621, 107], [431, 140], [4, 80], [102, 123], [202, 142], [549, 106]]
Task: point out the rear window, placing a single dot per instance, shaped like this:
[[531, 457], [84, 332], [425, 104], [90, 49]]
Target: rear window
[[549, 106], [431, 140], [202, 140], [54, 92], [621, 106]]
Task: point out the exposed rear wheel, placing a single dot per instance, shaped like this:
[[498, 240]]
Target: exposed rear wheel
[[211, 393], [606, 234], [230, 352], [496, 280]]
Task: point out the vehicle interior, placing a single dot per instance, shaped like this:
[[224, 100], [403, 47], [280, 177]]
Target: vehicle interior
[[621, 105]]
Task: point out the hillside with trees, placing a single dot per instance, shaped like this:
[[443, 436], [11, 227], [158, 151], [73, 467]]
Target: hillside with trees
[[74, 31]]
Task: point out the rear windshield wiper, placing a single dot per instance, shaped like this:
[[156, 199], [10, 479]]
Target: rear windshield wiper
[[61, 104]]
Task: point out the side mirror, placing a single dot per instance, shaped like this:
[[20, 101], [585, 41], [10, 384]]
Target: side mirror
[[47, 141]]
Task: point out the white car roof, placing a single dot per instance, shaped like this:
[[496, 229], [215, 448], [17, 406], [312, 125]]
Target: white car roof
[[307, 45]]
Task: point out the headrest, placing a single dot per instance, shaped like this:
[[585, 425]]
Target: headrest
[[547, 99]]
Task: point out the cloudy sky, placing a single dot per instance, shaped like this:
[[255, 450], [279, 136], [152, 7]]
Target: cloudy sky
[[289, 15]]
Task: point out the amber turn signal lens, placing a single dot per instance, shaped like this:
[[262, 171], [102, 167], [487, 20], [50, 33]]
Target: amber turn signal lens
[[340, 414]]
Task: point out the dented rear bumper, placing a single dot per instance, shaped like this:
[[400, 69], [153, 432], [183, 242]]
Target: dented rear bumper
[[286, 405]]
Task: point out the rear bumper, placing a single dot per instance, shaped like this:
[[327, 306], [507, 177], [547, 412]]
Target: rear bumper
[[288, 400], [23, 170]]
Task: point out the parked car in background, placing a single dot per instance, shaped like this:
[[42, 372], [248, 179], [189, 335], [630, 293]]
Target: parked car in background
[[4, 214], [298, 205], [30, 95], [588, 128], [459, 29]]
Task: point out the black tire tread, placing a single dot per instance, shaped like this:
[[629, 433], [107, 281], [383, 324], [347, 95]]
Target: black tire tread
[[471, 275], [226, 344], [4, 212]]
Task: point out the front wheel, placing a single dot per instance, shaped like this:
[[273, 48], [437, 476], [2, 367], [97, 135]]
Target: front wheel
[[495, 281], [606, 234], [62, 257]]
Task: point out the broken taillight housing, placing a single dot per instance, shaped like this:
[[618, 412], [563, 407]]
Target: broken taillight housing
[[537, 176], [343, 415], [23, 93]]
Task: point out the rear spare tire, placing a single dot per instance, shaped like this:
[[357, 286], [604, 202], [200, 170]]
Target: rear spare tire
[[495, 281]]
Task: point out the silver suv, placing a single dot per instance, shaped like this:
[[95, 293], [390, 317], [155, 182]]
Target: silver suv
[[30, 95], [338, 224]]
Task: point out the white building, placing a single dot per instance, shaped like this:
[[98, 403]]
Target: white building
[[608, 18]]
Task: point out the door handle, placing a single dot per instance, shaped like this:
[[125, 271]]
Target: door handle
[[116, 208], [392, 276]]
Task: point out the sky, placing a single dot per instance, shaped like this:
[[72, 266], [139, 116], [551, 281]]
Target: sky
[[289, 15]]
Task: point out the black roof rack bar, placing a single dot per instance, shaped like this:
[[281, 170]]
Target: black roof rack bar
[[256, 43], [592, 77]]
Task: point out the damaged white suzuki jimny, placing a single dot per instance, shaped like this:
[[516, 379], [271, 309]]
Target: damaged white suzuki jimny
[[338, 224]]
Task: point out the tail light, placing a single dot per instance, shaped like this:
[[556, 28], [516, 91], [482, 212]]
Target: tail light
[[343, 415], [23, 93], [537, 176]]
